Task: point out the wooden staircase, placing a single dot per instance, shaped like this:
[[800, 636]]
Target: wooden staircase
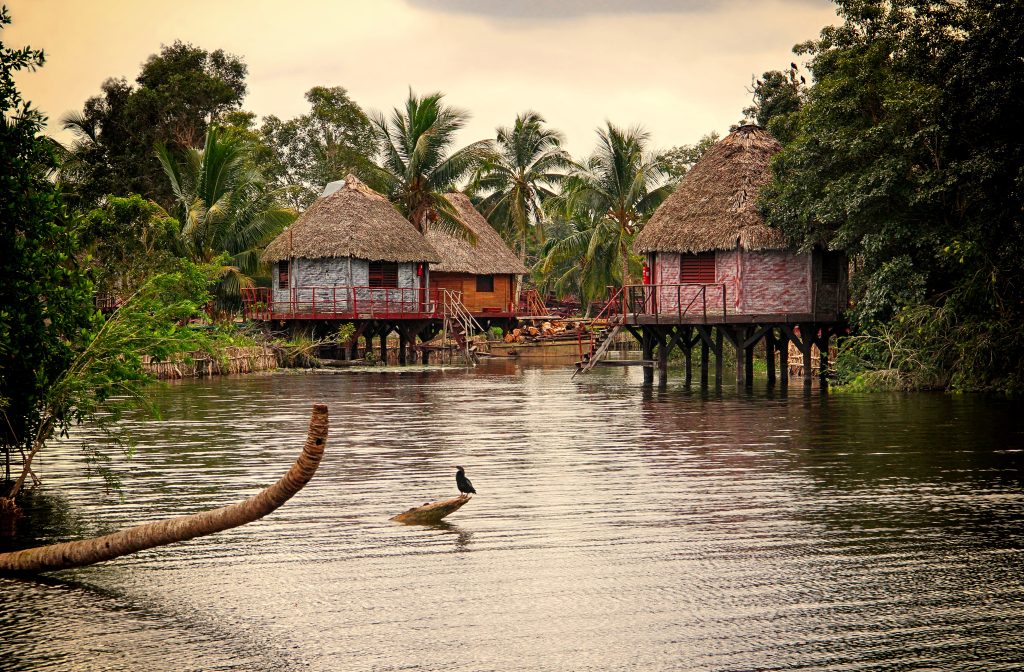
[[602, 339], [459, 325]]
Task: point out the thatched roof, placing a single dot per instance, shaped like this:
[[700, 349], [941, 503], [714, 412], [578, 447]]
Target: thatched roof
[[490, 255], [715, 205], [351, 221]]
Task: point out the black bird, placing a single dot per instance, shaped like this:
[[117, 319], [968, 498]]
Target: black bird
[[793, 65], [465, 487]]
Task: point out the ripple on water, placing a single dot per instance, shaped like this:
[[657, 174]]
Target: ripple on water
[[616, 528]]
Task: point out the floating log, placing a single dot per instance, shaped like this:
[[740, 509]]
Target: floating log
[[171, 530], [431, 512]]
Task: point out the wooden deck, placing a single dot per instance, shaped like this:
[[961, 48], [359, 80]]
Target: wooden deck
[[668, 318]]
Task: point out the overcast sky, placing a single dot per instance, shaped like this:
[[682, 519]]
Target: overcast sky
[[680, 68]]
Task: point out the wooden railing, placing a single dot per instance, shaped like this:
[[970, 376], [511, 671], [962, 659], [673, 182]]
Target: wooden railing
[[531, 303], [340, 302]]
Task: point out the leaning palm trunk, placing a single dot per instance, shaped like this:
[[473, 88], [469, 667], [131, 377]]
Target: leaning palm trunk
[[162, 532]]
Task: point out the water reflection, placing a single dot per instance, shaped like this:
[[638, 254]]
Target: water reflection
[[462, 536], [618, 527]]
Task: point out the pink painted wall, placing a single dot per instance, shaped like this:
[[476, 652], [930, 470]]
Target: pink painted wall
[[771, 282], [688, 298], [775, 282]]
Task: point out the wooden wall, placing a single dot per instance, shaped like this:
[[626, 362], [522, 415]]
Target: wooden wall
[[477, 302]]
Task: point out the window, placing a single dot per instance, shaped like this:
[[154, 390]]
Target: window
[[697, 268], [383, 274], [485, 283], [282, 274], [831, 265]]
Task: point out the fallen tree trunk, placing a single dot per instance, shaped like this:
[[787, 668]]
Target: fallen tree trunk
[[432, 512], [162, 532]]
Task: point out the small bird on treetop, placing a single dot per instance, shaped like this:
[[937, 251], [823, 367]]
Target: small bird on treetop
[[465, 487]]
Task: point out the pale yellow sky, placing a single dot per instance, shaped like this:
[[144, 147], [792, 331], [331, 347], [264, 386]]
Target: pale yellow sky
[[680, 68]]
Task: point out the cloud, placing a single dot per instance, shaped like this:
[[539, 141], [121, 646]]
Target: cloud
[[680, 75], [528, 10]]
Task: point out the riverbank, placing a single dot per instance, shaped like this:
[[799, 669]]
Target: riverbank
[[200, 364]]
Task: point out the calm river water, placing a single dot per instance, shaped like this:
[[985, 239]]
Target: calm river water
[[616, 528]]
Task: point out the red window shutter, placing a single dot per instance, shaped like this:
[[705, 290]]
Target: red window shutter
[[383, 274], [697, 268], [282, 274]]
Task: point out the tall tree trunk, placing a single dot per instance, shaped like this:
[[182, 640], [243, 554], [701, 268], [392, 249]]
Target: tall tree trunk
[[162, 532]]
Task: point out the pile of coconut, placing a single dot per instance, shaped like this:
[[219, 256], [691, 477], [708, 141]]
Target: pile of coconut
[[547, 330]]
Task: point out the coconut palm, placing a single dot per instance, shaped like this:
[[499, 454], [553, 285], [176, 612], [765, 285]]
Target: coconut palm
[[70, 554], [418, 165], [514, 183], [226, 210], [623, 183], [582, 256]]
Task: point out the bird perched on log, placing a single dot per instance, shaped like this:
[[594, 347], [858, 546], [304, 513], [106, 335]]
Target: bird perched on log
[[465, 487]]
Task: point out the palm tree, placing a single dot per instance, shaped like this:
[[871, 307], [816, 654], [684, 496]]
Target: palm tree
[[172, 530], [582, 256], [226, 210], [516, 181], [623, 183], [417, 164]]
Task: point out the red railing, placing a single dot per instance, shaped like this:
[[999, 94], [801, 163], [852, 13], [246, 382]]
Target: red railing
[[606, 315], [340, 302], [671, 302], [676, 301]]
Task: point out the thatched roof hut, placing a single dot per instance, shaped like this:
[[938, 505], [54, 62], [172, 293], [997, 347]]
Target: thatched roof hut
[[715, 205], [353, 221], [490, 255]]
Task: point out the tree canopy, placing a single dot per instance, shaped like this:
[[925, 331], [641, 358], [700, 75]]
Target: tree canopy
[[906, 153], [46, 297], [176, 96], [677, 161], [333, 139]]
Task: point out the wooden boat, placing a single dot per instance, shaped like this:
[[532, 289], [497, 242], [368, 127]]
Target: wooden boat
[[431, 512], [560, 350]]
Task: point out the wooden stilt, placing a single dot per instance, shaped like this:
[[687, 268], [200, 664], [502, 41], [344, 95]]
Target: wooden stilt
[[783, 348], [647, 345], [741, 335], [353, 345], [807, 338], [719, 352], [748, 365], [769, 351], [704, 357], [403, 347], [686, 343], [823, 358], [663, 343], [384, 345]]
